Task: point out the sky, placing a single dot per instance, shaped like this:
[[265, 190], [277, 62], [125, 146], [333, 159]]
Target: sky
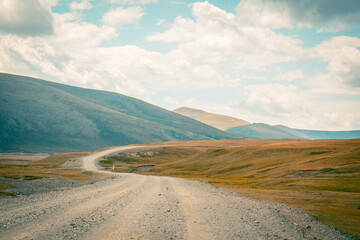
[[295, 63]]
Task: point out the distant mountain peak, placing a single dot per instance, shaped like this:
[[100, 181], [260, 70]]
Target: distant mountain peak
[[261, 130], [188, 109], [219, 121]]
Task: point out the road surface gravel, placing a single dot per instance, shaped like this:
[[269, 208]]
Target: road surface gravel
[[131, 206]]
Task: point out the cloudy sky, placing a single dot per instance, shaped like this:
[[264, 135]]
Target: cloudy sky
[[287, 62]]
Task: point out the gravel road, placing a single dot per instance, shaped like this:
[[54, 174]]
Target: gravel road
[[131, 206]]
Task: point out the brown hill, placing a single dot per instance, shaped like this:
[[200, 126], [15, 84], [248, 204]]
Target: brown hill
[[221, 122]]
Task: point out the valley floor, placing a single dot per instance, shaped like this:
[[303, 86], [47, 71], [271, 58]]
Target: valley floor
[[132, 206]]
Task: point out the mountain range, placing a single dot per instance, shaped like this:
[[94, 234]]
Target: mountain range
[[43, 116], [261, 130]]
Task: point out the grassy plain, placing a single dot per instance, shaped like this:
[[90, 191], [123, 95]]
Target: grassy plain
[[30, 168], [321, 177]]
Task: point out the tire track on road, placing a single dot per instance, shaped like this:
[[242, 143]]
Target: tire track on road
[[65, 213], [155, 214], [49, 202]]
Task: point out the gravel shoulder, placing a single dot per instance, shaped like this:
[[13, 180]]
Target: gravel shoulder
[[131, 206]]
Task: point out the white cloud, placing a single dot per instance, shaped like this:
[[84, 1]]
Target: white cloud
[[213, 17], [191, 102], [304, 110], [182, 30], [277, 99], [72, 33], [277, 103], [334, 15], [26, 18], [178, 3], [83, 5], [343, 57], [160, 22], [209, 77], [347, 66], [291, 76], [122, 16], [215, 37], [152, 67], [47, 4], [72, 56], [332, 47], [171, 100], [215, 56], [208, 61], [269, 14], [132, 2]]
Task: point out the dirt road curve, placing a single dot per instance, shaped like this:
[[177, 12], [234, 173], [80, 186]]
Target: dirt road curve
[[130, 206]]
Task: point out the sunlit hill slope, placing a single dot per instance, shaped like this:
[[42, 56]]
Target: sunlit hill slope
[[216, 120]]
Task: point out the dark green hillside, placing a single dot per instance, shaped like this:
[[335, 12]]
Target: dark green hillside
[[37, 115]]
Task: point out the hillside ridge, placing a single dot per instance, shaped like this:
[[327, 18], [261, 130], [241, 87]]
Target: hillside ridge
[[43, 116]]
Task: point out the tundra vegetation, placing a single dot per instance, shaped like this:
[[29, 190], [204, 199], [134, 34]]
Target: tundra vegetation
[[48, 167], [321, 177]]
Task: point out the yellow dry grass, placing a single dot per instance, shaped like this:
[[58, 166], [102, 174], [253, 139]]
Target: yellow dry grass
[[219, 121], [21, 157], [321, 177], [49, 167]]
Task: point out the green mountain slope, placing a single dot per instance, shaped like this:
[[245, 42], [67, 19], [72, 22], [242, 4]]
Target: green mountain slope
[[261, 130], [216, 120], [37, 115]]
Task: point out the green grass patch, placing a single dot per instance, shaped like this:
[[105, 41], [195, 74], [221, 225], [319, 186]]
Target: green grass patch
[[105, 162], [2, 192], [320, 152], [122, 159], [216, 150], [50, 167], [28, 178], [326, 170], [4, 186]]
